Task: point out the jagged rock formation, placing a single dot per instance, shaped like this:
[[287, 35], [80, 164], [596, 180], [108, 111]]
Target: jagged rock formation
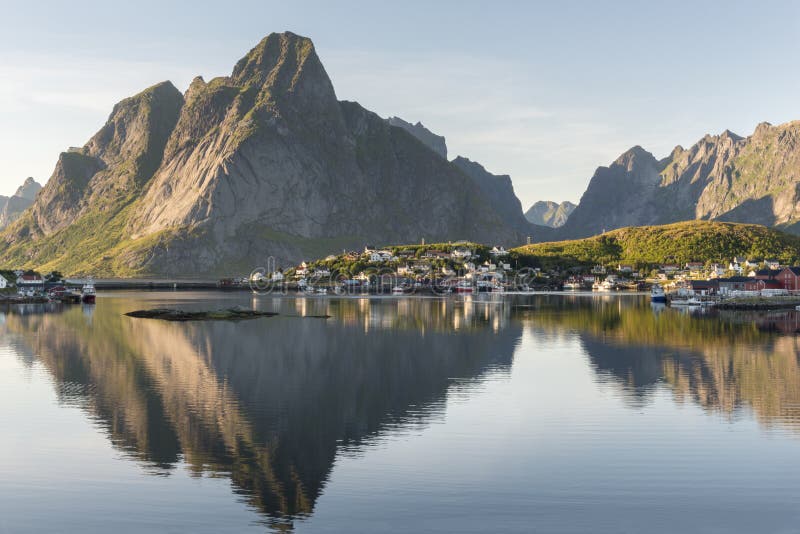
[[12, 207], [499, 192], [431, 140], [264, 162], [753, 179], [549, 213]]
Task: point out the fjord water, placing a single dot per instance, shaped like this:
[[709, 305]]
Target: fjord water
[[540, 413]]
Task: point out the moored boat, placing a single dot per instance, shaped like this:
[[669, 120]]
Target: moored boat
[[657, 294], [464, 287], [88, 293]]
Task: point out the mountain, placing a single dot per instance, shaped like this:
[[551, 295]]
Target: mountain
[[549, 213], [263, 163], [499, 193], [674, 243], [12, 207], [431, 140], [497, 190], [725, 177]]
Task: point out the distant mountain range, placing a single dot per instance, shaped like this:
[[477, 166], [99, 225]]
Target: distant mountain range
[[549, 213], [725, 177], [12, 207], [263, 163]]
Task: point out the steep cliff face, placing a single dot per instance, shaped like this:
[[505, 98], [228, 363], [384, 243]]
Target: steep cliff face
[[435, 142], [499, 193], [549, 213], [77, 219], [264, 162], [753, 179], [12, 207]]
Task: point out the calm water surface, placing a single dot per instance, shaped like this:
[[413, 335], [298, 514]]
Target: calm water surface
[[552, 414]]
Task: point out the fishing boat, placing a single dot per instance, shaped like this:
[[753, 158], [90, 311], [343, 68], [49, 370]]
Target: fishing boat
[[657, 294], [88, 292], [464, 287]]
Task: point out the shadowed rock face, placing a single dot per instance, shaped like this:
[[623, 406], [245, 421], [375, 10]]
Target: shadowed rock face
[[435, 142], [727, 177], [264, 162]]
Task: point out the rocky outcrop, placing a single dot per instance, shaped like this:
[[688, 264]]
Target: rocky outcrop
[[12, 207], [751, 179], [263, 163], [549, 213]]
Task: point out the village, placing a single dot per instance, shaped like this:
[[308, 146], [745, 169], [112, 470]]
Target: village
[[28, 286], [464, 267]]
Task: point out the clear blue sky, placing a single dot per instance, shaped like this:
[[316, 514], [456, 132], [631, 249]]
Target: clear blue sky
[[544, 92]]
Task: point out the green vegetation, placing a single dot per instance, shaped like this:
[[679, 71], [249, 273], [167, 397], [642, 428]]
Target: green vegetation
[[674, 243]]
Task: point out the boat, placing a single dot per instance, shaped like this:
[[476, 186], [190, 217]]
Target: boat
[[572, 285], [606, 285], [657, 294], [464, 287], [88, 293], [322, 291], [398, 290]]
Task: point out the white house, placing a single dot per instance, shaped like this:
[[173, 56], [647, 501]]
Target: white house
[[735, 267], [498, 252], [405, 270], [717, 270], [772, 264], [3, 282], [33, 281], [461, 253]]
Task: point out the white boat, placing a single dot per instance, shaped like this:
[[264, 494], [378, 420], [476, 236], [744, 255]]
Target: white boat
[[322, 291], [606, 285], [657, 293], [397, 290], [572, 285]]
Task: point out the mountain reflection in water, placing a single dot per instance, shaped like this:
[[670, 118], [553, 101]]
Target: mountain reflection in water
[[269, 403], [265, 402]]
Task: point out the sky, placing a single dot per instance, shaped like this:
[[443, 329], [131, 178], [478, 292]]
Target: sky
[[543, 91]]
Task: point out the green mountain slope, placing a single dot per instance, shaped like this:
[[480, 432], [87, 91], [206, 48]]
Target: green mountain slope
[[675, 243]]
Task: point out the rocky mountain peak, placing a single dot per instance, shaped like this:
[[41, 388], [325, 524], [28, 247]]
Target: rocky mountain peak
[[633, 157], [28, 189], [284, 63]]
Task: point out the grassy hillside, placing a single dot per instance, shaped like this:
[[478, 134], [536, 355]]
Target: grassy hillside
[[676, 243]]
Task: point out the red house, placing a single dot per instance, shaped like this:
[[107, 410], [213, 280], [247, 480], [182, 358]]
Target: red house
[[757, 285], [789, 278]]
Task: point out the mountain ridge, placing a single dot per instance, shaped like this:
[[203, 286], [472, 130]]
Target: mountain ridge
[[725, 177], [266, 162]]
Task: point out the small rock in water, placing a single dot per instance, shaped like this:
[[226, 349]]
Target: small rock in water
[[230, 314]]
